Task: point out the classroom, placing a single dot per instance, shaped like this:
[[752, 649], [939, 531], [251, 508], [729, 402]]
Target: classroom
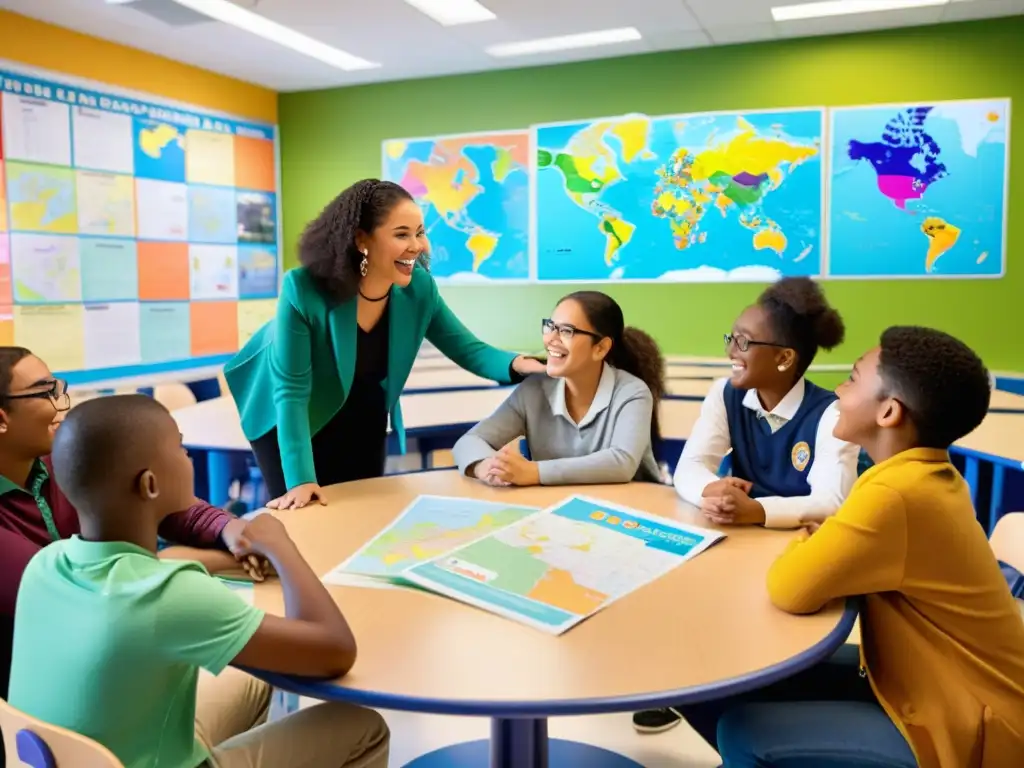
[[573, 359]]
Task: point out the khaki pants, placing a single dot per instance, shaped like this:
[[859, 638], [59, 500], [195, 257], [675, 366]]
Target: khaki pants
[[231, 714]]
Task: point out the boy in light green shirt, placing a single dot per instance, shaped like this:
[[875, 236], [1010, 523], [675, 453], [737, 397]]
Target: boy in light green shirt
[[109, 639]]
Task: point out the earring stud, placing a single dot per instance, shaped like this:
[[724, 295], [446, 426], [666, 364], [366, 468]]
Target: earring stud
[[783, 367]]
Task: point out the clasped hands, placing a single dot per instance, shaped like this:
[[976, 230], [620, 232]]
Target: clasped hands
[[727, 502], [507, 467]]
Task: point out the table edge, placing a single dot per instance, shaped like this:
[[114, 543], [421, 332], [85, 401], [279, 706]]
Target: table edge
[[332, 691]]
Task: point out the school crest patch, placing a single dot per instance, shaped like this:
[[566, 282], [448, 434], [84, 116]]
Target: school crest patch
[[801, 456]]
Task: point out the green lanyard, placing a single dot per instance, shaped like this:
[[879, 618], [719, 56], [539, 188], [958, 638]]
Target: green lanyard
[[36, 489]]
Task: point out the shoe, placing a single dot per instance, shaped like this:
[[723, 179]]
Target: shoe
[[656, 720]]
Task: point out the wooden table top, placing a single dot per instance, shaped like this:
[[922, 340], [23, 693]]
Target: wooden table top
[[705, 627]]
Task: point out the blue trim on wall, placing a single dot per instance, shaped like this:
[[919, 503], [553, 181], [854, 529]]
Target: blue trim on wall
[[331, 691], [143, 369]]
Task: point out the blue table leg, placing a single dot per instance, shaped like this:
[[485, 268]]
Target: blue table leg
[[218, 477], [995, 502], [522, 744]]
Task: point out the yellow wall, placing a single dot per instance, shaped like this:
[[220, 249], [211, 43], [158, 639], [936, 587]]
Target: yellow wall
[[57, 49]]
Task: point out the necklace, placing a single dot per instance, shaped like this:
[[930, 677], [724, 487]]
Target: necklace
[[379, 298]]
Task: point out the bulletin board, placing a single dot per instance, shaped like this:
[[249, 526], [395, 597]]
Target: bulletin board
[[137, 236]]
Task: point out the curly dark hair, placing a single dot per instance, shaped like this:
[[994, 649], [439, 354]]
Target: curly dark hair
[[942, 383], [633, 351], [328, 249], [802, 318], [9, 357]]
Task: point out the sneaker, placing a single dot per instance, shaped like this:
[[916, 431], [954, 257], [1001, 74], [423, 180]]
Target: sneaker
[[656, 720]]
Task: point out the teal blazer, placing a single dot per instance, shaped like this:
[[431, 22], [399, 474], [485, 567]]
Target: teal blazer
[[297, 370]]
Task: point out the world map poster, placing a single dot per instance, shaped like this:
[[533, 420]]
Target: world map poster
[[919, 190], [714, 196], [474, 191]]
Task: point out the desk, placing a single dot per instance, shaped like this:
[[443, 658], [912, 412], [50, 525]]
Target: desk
[[996, 445], [703, 631], [692, 388]]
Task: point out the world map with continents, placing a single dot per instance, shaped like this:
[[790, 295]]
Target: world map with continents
[[919, 190], [702, 197], [474, 191]]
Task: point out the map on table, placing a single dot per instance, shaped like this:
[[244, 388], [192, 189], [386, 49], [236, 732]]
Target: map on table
[[919, 190], [559, 566], [427, 528]]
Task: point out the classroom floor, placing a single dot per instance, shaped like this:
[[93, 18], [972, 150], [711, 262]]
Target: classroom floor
[[413, 735]]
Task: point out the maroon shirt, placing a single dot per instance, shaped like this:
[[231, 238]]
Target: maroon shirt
[[23, 532]]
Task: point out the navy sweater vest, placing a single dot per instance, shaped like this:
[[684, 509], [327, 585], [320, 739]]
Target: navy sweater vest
[[777, 464]]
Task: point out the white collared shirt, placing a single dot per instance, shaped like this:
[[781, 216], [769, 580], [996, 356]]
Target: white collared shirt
[[830, 477]]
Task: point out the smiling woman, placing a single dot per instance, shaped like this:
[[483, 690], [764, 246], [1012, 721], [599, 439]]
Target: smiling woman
[[317, 388]]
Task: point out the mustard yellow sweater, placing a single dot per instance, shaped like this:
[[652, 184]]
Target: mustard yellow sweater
[[941, 638]]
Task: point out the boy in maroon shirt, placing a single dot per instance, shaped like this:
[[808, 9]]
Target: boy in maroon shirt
[[34, 511]]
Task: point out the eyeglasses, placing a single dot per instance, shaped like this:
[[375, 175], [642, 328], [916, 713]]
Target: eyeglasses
[[56, 392], [743, 343], [565, 332]]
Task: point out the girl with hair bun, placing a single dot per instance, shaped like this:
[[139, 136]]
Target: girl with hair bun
[[317, 388], [592, 419], [787, 468]]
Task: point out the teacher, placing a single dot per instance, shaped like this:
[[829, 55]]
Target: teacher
[[317, 388]]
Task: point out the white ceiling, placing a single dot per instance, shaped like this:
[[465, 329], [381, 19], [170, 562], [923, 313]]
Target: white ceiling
[[409, 44]]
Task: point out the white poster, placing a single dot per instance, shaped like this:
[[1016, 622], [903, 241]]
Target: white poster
[[214, 271], [36, 130], [103, 140], [45, 269], [106, 204], [112, 335], [162, 210]]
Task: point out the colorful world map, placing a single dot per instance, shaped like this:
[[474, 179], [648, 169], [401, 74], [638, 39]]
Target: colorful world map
[[919, 190], [474, 190], [700, 197]]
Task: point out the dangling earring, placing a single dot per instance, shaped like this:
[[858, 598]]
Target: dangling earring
[[364, 264]]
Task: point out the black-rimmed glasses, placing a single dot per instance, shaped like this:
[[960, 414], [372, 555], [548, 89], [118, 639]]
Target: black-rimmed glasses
[[56, 392], [743, 343], [565, 332]]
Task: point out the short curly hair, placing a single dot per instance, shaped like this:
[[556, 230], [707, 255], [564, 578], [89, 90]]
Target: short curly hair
[[328, 249], [801, 318], [941, 382]]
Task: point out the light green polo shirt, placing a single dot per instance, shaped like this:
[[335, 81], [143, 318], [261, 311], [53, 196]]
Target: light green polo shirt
[[108, 642]]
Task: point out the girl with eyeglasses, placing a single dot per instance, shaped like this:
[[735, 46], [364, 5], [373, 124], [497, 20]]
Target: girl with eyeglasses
[[787, 468], [592, 419]]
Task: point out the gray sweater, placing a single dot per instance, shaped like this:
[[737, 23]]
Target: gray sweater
[[611, 444]]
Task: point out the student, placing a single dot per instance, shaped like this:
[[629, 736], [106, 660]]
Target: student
[[318, 388], [34, 511], [143, 627], [594, 420], [942, 644], [787, 468]]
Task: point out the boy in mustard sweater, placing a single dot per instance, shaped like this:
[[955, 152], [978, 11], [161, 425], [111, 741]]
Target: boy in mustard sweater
[[942, 639]]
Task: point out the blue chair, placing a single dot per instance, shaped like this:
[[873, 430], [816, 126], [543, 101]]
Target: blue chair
[[40, 745]]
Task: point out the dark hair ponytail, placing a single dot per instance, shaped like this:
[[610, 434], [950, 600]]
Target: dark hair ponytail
[[633, 350], [327, 248]]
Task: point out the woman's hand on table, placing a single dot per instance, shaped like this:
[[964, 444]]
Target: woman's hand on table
[[299, 496], [483, 471], [525, 366], [512, 468]]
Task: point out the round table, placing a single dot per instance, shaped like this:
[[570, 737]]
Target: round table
[[703, 631]]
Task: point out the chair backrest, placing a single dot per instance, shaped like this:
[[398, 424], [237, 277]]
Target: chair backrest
[[31, 742], [1007, 540]]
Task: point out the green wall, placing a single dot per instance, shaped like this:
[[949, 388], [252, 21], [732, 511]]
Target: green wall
[[332, 138]]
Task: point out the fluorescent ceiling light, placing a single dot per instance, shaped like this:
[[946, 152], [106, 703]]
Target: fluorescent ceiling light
[[448, 13], [566, 42], [261, 26], [845, 7]]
